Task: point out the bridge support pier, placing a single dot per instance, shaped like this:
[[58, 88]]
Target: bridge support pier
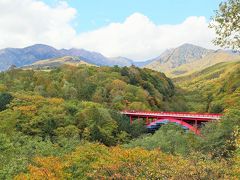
[[195, 125]]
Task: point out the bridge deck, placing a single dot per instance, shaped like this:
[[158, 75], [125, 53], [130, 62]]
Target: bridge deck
[[198, 116], [190, 121]]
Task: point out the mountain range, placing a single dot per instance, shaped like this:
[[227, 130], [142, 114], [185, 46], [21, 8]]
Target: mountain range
[[174, 62], [29, 55]]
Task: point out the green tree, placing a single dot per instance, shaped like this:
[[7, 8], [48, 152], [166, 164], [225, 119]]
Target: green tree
[[219, 135], [216, 107], [5, 99], [226, 23], [170, 138], [96, 124]]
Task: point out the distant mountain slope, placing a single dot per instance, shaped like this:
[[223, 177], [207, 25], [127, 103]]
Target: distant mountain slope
[[89, 56], [26, 56], [189, 58], [143, 63], [121, 61], [214, 89], [185, 53], [57, 62], [207, 61]]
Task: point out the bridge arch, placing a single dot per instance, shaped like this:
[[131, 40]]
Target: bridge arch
[[172, 120]]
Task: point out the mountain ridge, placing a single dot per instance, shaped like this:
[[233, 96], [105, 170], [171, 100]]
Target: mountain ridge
[[178, 61]]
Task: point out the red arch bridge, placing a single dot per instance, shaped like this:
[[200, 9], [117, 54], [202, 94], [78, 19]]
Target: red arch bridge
[[189, 121]]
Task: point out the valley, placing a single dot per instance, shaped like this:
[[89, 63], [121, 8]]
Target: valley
[[72, 110], [119, 90]]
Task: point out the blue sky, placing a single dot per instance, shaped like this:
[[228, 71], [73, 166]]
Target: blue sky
[[136, 29], [92, 14]]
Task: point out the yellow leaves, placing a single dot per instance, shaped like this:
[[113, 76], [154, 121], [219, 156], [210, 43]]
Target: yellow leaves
[[118, 84], [138, 163], [235, 170], [31, 98], [32, 103], [96, 161], [3, 88], [37, 99], [25, 109], [124, 163], [86, 134], [56, 101], [49, 168], [230, 102]]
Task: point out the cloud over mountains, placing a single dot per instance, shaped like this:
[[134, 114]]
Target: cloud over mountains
[[26, 22]]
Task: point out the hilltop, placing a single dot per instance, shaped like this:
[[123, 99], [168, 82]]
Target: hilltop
[[57, 62]]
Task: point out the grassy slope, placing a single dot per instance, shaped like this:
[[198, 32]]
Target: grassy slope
[[56, 62]]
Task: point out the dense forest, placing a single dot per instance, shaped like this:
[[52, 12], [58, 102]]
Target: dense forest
[[118, 88], [65, 124]]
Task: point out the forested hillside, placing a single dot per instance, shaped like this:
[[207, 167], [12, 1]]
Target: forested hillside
[[118, 88], [49, 113], [215, 89], [65, 123]]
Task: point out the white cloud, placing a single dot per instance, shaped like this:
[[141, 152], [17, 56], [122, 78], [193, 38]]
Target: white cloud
[[139, 38], [26, 22]]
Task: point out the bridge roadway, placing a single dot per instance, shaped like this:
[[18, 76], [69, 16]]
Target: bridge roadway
[[190, 121]]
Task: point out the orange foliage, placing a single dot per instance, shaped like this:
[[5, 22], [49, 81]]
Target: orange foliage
[[95, 161], [142, 164], [46, 168], [29, 97], [56, 100], [26, 108], [137, 163]]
